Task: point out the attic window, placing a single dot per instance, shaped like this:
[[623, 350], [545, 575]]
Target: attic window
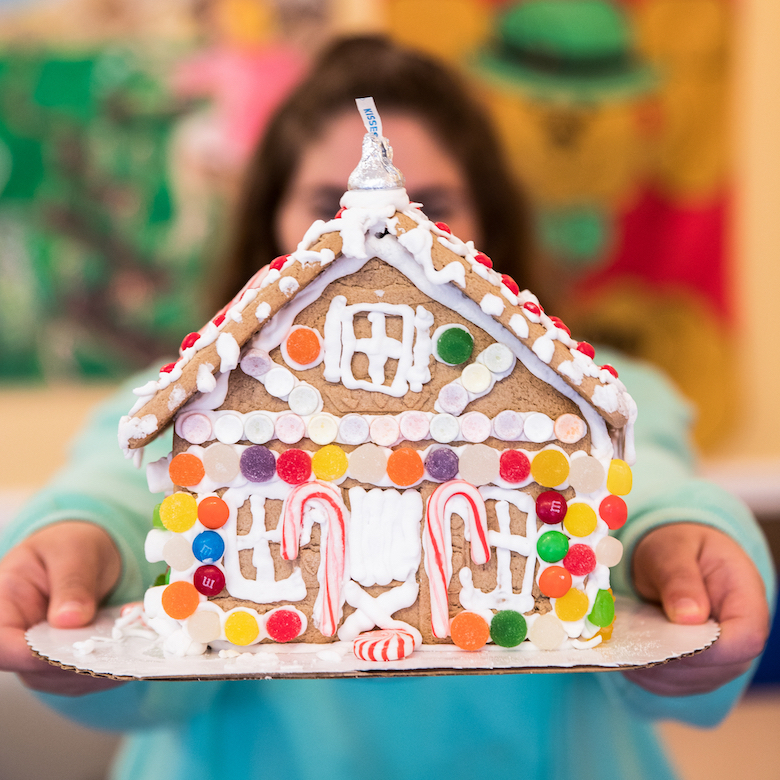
[[409, 354]]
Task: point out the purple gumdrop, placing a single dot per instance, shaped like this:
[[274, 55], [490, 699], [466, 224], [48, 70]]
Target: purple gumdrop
[[442, 464], [258, 463]]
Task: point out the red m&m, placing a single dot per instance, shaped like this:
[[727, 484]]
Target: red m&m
[[551, 507]]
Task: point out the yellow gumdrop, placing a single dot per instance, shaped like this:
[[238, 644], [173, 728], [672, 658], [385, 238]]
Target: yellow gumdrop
[[178, 512], [329, 462], [580, 520], [241, 628], [572, 606], [619, 478], [550, 468]]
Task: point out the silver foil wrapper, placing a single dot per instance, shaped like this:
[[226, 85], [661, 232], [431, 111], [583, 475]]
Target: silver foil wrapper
[[376, 170]]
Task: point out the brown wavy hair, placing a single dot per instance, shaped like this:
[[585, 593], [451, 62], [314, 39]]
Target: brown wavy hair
[[400, 80]]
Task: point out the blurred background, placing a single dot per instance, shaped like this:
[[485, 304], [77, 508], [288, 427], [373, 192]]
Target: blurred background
[[125, 126]]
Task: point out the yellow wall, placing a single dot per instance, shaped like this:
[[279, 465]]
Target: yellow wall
[[756, 234]]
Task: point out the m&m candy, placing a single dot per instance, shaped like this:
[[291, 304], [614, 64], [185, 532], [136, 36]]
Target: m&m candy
[[508, 628], [213, 512], [208, 546], [469, 631], [551, 507], [554, 582], [552, 546], [209, 580]]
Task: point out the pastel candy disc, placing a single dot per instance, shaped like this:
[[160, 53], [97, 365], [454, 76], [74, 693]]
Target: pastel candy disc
[[304, 400], [444, 428], [259, 428], [322, 429], [229, 428]]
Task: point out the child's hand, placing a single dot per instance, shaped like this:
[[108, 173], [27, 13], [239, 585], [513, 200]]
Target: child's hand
[[696, 572], [61, 573]]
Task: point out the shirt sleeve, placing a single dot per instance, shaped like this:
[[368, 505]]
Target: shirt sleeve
[[100, 486], [666, 489]]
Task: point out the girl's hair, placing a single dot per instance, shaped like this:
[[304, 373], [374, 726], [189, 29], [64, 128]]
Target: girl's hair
[[399, 80]]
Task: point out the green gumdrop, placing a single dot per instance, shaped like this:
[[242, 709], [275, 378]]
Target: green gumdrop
[[161, 579], [508, 628], [455, 345], [156, 522], [552, 546], [603, 609]]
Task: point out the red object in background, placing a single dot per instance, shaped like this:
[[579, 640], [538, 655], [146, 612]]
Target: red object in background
[[671, 245]]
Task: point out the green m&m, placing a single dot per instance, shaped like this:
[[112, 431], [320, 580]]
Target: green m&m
[[552, 546]]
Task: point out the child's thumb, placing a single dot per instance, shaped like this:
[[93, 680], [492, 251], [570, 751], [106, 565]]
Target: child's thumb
[[73, 593]]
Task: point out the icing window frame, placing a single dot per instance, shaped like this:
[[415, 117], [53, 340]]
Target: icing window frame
[[413, 351]]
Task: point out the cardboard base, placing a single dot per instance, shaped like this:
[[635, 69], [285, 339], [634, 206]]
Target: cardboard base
[[642, 637]]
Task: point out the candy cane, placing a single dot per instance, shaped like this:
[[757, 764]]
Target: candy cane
[[335, 547], [437, 566]]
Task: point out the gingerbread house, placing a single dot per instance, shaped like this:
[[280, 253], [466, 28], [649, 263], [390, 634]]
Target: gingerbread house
[[383, 432]]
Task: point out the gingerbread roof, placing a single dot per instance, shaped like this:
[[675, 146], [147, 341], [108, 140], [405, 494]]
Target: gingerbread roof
[[376, 224]]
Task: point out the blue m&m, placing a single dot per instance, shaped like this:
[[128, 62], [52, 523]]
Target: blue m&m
[[208, 547]]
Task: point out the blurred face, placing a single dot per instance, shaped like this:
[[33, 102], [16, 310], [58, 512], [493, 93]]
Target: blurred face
[[432, 177]]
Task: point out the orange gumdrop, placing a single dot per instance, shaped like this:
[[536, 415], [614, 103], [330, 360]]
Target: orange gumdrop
[[213, 512], [303, 346], [405, 467], [469, 631], [186, 470], [180, 600], [554, 582]]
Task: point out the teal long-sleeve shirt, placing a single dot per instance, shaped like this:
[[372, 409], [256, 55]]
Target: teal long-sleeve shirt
[[526, 726]]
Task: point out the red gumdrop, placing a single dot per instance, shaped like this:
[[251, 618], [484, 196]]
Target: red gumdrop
[[580, 560], [551, 507], [510, 284], [559, 323], [282, 625], [166, 369], [189, 341], [219, 319], [294, 466], [443, 226], [534, 308], [611, 369], [278, 262], [514, 466], [483, 259], [586, 349], [614, 512]]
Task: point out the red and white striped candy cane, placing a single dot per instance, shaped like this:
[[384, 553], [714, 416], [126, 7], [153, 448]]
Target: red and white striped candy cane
[[388, 644], [438, 566], [329, 499]]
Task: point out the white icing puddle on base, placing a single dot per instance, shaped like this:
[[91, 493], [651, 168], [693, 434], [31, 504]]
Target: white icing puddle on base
[[642, 637]]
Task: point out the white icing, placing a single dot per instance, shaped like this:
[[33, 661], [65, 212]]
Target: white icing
[[288, 285], [492, 305], [228, 351]]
